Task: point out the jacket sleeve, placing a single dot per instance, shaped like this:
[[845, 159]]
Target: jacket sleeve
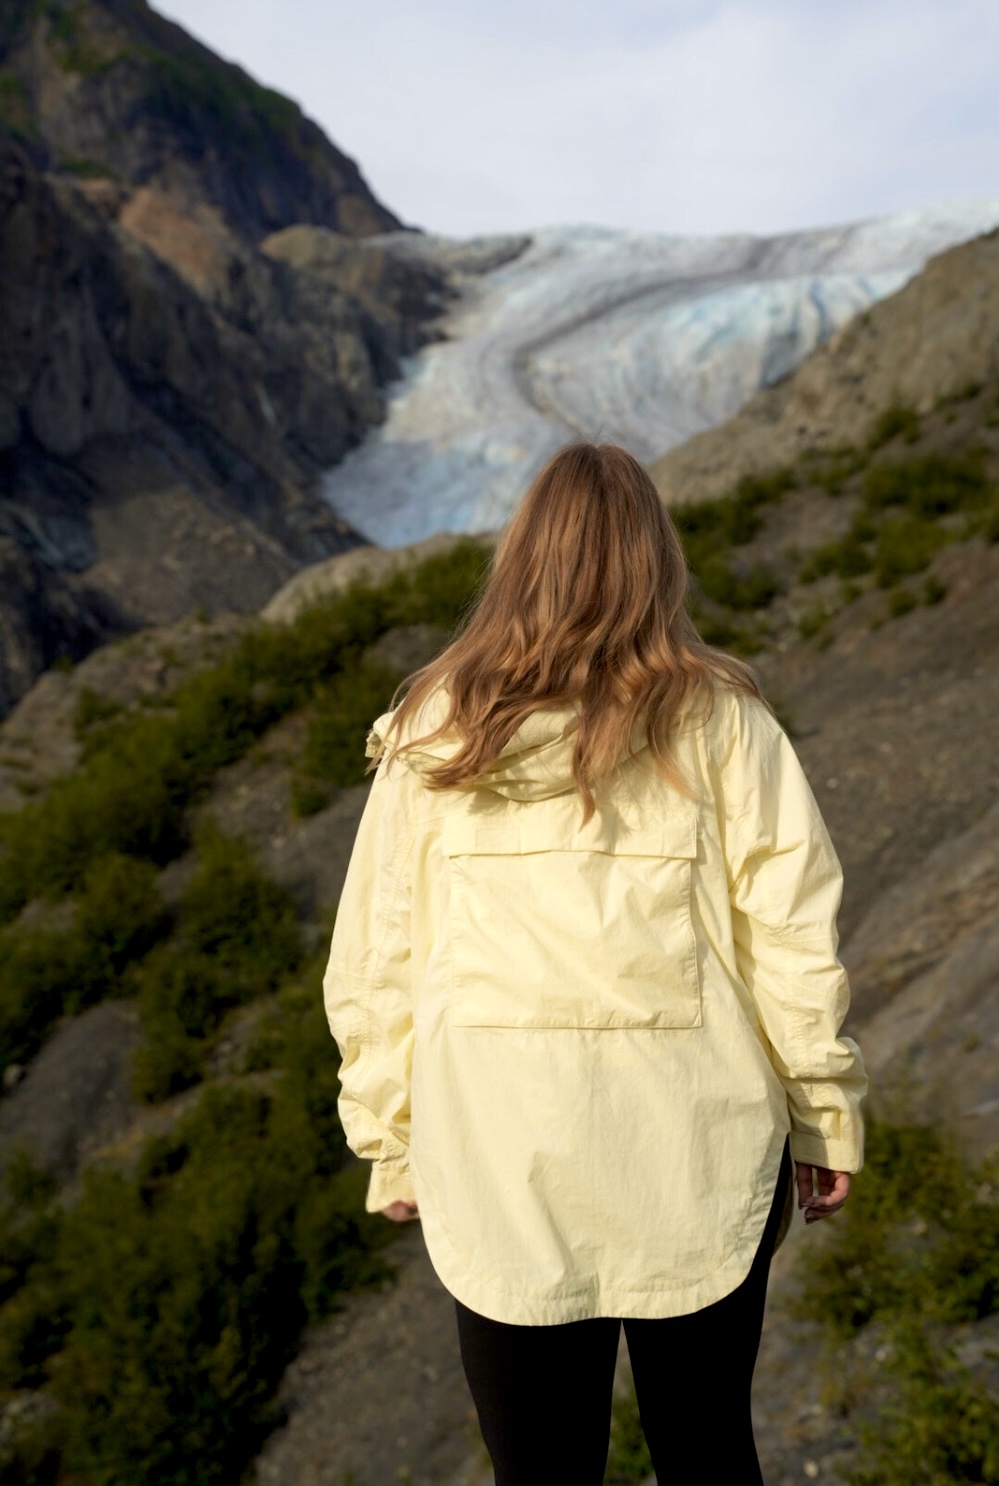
[[785, 886], [367, 990]]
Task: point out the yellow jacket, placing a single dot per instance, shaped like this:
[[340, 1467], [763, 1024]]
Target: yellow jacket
[[580, 1048]]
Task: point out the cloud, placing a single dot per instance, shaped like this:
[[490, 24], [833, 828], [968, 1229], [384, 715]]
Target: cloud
[[751, 115]]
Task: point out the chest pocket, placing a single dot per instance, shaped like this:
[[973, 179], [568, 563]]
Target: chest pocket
[[556, 926]]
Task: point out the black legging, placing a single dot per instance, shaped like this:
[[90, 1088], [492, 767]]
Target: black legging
[[543, 1393]]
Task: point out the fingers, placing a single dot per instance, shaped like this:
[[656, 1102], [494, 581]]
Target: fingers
[[821, 1192], [401, 1212]]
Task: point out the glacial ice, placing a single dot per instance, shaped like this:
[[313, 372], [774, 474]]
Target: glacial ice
[[606, 334]]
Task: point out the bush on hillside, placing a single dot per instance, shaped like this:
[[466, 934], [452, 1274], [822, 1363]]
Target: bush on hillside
[[175, 1295], [745, 591], [333, 756], [915, 1250], [45, 972], [905, 545], [897, 421], [142, 770], [237, 938], [928, 487]]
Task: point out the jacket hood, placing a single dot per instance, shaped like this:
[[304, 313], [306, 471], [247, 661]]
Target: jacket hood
[[534, 765]]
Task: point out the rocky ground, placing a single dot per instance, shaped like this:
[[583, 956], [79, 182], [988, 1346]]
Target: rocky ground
[[890, 723], [892, 714]]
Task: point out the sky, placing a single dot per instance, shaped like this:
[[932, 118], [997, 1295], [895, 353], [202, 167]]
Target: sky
[[657, 115]]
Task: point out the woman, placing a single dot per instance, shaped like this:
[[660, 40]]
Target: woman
[[585, 988]]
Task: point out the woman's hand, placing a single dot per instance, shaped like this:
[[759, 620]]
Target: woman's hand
[[821, 1192], [401, 1212]]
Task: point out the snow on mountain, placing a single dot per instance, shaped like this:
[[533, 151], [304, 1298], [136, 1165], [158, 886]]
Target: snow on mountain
[[604, 334]]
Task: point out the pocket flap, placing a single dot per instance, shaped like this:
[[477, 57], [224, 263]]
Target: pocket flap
[[523, 829]]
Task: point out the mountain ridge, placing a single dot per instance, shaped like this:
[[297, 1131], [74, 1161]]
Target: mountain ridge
[[110, 87]]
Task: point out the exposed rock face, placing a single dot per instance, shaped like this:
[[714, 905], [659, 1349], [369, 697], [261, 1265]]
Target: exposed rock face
[[168, 398], [933, 339], [108, 87]]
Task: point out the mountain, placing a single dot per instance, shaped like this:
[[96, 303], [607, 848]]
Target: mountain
[[604, 334], [193, 328], [108, 88]]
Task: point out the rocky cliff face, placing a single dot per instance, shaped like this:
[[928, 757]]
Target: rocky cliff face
[[172, 380], [110, 88]]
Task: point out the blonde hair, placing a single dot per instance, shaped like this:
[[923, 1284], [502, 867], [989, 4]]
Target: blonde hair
[[584, 607]]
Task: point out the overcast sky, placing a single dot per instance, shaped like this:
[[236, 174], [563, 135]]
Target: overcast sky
[[660, 115]]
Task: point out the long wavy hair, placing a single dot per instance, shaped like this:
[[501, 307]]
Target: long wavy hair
[[585, 608]]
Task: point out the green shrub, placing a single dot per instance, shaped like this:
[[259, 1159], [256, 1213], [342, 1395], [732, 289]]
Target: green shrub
[[905, 544], [628, 1462], [33, 1318], [141, 772], [988, 524], [831, 470], [187, 1285], [895, 422], [45, 972], [901, 601], [919, 1237], [915, 1250], [753, 589], [119, 917], [848, 556], [29, 1449], [37, 969], [93, 709], [234, 915], [928, 487], [333, 752], [813, 621], [169, 1060], [238, 937], [729, 521], [937, 1426]]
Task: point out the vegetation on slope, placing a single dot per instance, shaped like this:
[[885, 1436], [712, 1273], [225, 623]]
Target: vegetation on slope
[[897, 501], [137, 1315], [146, 1319], [914, 1254]]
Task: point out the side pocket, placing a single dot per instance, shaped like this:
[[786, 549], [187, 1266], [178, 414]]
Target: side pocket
[[596, 933]]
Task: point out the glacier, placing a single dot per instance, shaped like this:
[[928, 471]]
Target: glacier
[[606, 334]]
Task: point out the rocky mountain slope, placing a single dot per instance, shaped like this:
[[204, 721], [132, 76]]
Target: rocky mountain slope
[[192, 329], [108, 88]]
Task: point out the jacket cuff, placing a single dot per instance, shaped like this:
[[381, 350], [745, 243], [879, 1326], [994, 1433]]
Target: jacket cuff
[[389, 1184], [834, 1155]]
